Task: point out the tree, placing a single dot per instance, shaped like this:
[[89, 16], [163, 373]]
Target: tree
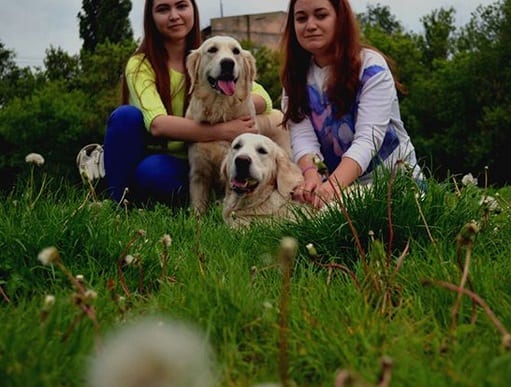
[[102, 20], [439, 27], [15, 81], [60, 66], [380, 16]]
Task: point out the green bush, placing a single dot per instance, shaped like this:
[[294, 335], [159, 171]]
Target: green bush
[[52, 122]]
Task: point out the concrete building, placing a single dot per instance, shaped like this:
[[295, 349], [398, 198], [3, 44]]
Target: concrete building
[[263, 29]]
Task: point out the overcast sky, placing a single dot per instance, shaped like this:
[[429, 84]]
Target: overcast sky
[[29, 27]]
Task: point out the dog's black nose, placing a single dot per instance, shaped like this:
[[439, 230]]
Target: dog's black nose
[[243, 166], [227, 66]]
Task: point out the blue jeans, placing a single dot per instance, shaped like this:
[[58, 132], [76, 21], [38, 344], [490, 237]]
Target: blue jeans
[[148, 176]]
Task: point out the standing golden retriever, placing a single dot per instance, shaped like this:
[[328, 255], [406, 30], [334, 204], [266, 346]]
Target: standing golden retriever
[[222, 75], [260, 178]]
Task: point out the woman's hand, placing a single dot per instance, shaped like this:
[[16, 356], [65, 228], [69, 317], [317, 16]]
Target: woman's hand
[[305, 192], [229, 130], [326, 193]]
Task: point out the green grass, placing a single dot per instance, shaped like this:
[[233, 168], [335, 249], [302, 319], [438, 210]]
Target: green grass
[[228, 282]]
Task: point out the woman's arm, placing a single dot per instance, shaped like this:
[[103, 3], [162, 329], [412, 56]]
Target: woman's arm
[[185, 129], [377, 97], [261, 98]]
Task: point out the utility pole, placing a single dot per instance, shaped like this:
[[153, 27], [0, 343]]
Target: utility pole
[[221, 9]]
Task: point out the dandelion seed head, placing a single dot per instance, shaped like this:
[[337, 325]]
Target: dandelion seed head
[[90, 294], [34, 158], [48, 255], [490, 203], [468, 179], [154, 352], [289, 245], [506, 341], [129, 259], [166, 240], [311, 249], [49, 300]]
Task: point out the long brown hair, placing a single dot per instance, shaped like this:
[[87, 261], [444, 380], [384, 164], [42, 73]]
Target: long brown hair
[[153, 49], [342, 83]]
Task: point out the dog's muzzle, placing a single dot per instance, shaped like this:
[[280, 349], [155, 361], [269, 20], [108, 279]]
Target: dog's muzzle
[[226, 82], [243, 183]]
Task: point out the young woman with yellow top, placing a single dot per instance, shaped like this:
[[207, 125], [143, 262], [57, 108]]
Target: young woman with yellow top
[[146, 137]]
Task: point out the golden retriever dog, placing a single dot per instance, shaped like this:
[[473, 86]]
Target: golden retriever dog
[[222, 75], [260, 178]]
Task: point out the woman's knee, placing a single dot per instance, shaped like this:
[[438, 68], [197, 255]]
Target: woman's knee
[[126, 113], [125, 118], [161, 172]]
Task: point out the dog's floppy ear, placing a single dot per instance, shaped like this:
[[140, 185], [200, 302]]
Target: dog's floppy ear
[[192, 66], [289, 175], [250, 67], [224, 178]]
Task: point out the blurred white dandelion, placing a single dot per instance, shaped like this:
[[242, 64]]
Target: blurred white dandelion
[[129, 259], [48, 255], [34, 158], [154, 353], [166, 240], [491, 203], [49, 300], [468, 179]]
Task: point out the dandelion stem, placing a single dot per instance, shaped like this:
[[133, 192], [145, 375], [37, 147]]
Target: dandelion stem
[[287, 254], [474, 297], [464, 278], [121, 260], [4, 295], [343, 268], [389, 218]]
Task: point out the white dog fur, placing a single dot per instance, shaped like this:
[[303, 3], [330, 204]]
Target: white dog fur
[[260, 178], [222, 75]]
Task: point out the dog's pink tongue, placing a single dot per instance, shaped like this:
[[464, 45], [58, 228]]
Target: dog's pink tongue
[[227, 87], [239, 184]]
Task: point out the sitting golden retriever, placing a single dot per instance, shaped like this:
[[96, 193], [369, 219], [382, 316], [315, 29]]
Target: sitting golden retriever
[[222, 75], [260, 178]]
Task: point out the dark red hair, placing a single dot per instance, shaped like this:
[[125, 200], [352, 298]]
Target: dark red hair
[[342, 83], [153, 49]]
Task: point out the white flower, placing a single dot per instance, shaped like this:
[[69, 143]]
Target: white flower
[[151, 353], [289, 245], [468, 179], [311, 250], [129, 259], [34, 158], [90, 294], [490, 203], [166, 240], [49, 300], [48, 255]]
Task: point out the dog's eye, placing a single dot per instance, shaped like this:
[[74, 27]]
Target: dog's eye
[[236, 146], [236, 51], [212, 50], [261, 150]]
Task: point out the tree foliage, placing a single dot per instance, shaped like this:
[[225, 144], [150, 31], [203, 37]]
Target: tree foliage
[[436, 42], [104, 20]]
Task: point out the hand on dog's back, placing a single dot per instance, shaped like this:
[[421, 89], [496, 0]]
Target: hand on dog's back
[[231, 129]]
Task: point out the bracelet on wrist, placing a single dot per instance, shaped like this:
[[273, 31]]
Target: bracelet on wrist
[[304, 170]]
